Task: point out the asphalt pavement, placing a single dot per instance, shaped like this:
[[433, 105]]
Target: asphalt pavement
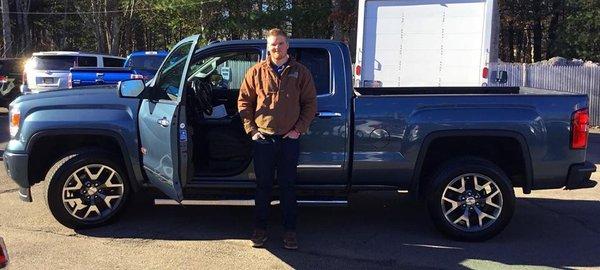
[[550, 229]]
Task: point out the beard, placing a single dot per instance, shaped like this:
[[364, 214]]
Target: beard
[[277, 55]]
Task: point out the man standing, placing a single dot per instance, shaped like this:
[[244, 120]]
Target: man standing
[[277, 102]]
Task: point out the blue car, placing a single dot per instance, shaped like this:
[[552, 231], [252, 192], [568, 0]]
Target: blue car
[[138, 65], [145, 63]]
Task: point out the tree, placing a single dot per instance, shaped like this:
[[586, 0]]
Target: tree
[[6, 33]]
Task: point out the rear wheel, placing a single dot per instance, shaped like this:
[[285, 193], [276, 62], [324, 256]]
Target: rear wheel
[[88, 190], [471, 199]]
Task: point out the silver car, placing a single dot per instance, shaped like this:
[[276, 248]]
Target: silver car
[[50, 70]]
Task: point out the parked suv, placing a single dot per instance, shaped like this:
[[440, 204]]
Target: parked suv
[[11, 70], [50, 70]]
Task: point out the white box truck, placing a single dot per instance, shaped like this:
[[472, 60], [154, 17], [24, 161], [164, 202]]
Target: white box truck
[[406, 43]]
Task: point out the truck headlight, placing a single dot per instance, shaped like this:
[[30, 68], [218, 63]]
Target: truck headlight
[[14, 117]]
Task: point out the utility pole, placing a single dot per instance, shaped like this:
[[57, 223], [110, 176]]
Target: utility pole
[[6, 33]]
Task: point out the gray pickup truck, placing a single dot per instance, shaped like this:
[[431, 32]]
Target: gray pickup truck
[[460, 149]]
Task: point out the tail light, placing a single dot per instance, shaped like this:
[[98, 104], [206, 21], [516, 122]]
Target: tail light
[[24, 78], [70, 81], [14, 117], [579, 129], [358, 70], [136, 76], [3, 79], [3, 254], [485, 73]]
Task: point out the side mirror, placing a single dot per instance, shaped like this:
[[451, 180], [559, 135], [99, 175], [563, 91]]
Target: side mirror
[[131, 88], [502, 77]]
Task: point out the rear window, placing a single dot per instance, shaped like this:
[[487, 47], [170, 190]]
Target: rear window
[[146, 62], [87, 61], [317, 61], [53, 62], [112, 62]]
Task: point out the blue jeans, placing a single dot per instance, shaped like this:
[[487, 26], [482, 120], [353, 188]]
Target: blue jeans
[[276, 156]]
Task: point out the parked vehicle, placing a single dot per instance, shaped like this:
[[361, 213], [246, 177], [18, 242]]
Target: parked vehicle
[[11, 70], [146, 63], [50, 70], [461, 149], [3, 254], [138, 65], [426, 43]]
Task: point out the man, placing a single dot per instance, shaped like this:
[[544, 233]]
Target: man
[[277, 102]]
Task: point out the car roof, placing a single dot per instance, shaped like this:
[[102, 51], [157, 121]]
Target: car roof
[[144, 53], [71, 53]]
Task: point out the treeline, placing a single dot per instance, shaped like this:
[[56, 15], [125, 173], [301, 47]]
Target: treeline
[[534, 30], [531, 30]]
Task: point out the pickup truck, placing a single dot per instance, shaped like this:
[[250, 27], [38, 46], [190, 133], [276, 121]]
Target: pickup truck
[[138, 65], [460, 149]]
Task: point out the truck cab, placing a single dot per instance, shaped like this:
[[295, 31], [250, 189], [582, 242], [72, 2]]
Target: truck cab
[[212, 146]]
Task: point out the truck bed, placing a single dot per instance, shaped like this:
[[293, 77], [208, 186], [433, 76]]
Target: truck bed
[[391, 125]]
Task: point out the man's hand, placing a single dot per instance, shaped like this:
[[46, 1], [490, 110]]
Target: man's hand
[[257, 136], [292, 134]]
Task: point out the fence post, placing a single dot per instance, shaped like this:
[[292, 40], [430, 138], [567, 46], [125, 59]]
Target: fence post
[[524, 75]]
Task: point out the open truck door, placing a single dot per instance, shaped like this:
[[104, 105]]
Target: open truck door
[[162, 122]]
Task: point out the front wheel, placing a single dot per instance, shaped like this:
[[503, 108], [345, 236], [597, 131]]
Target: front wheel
[[471, 199], [88, 190]]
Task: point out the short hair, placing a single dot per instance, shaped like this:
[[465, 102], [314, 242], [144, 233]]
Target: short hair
[[276, 32]]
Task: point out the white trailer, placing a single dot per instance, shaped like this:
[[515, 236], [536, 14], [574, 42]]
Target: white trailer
[[405, 43]]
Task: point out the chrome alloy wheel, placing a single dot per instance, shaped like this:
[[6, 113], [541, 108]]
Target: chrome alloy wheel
[[92, 192], [472, 202]]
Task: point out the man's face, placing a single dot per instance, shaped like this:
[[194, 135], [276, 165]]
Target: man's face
[[277, 47]]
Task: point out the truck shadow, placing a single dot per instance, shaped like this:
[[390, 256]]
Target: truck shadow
[[384, 230]]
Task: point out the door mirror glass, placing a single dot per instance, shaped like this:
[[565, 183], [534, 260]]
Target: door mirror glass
[[131, 88]]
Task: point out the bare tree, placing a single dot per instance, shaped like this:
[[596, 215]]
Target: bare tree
[[6, 33], [336, 8], [23, 23]]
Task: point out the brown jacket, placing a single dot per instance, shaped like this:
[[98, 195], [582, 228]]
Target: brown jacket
[[274, 104]]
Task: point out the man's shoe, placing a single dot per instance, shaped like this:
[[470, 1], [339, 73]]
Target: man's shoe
[[289, 240], [259, 237]]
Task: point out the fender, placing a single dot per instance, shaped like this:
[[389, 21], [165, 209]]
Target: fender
[[133, 174], [415, 182]]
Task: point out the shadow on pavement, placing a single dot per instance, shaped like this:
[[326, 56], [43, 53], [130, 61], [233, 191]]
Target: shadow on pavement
[[384, 231]]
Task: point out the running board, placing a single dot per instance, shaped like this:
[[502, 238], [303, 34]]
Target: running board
[[249, 202]]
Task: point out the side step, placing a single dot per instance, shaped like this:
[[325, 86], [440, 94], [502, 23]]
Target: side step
[[333, 202]]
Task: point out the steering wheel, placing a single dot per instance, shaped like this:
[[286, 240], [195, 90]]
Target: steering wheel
[[202, 92]]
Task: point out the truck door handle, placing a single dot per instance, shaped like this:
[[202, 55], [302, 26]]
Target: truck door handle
[[326, 114], [163, 122]]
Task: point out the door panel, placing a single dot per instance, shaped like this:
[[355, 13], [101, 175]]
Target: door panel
[[162, 131], [323, 150]]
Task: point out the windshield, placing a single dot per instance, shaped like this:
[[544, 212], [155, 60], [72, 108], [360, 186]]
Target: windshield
[[146, 62], [52, 62]]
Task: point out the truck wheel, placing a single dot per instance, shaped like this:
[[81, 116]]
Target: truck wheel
[[88, 190], [470, 199]]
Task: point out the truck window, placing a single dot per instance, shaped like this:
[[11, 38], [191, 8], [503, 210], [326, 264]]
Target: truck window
[[317, 61], [226, 71], [52, 62], [169, 77], [112, 62], [145, 62], [87, 61]]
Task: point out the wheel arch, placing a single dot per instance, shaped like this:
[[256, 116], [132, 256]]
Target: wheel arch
[[417, 181], [46, 141]]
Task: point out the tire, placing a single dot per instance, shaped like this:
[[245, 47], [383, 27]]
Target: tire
[[95, 197], [470, 199]]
